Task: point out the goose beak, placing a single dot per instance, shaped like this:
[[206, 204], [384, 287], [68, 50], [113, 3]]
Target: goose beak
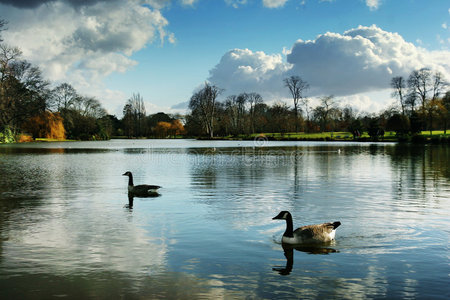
[[124, 174]]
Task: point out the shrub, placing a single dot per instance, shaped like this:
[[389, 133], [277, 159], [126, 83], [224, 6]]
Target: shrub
[[7, 136]]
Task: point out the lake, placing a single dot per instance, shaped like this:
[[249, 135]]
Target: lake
[[69, 230]]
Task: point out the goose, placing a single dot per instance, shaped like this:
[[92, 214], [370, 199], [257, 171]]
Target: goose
[[142, 189], [309, 234]]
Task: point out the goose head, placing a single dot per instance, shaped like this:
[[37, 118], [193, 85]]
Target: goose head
[[128, 173], [284, 215]]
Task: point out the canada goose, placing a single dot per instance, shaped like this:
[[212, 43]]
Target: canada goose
[[309, 234], [142, 189]]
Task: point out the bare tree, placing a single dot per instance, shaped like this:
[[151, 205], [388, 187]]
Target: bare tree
[[427, 87], [398, 85], [324, 110], [297, 87], [203, 105], [64, 96], [419, 85], [439, 84], [253, 99], [137, 108], [2, 25]]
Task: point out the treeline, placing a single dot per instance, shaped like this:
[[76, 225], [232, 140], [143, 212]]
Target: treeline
[[135, 122], [421, 106], [30, 108], [29, 105]]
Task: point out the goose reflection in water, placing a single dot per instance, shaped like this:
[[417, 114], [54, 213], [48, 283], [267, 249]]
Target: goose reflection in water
[[131, 197], [289, 254]]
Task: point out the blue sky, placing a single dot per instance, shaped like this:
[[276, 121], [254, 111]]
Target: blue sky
[[165, 49]]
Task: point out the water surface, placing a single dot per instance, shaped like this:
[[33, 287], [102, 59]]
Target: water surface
[[67, 228]]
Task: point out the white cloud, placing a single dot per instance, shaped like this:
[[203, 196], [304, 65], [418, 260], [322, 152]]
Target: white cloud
[[373, 4], [81, 44], [274, 3], [236, 3], [359, 61], [444, 25], [242, 70], [188, 2]]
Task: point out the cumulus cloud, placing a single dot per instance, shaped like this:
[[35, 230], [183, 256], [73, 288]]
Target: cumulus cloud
[[82, 41], [360, 60], [242, 70]]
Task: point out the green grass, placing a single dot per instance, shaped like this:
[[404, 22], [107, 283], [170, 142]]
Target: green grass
[[337, 136], [435, 132], [303, 135], [52, 140]]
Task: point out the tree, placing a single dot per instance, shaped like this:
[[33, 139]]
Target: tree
[[422, 83], [374, 129], [297, 87], [177, 128], [253, 99], [356, 128], [398, 85], [446, 105], [323, 111], [162, 129], [134, 116], [2, 24], [203, 104], [398, 123], [46, 125], [23, 91], [280, 118], [63, 97]]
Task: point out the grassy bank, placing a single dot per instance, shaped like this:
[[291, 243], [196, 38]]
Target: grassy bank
[[437, 136]]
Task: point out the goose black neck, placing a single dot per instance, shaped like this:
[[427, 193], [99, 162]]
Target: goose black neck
[[130, 179], [289, 227]]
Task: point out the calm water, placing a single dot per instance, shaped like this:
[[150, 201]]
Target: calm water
[[67, 228]]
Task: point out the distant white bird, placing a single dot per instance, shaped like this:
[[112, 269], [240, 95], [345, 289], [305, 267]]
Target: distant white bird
[[309, 234], [142, 189]]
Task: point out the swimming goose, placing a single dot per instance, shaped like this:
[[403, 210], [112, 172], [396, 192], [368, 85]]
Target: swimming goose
[[142, 189], [309, 234]]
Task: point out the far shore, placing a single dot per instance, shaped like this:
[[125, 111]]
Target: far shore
[[437, 137]]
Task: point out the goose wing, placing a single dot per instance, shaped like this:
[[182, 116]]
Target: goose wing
[[142, 188], [320, 232], [150, 187]]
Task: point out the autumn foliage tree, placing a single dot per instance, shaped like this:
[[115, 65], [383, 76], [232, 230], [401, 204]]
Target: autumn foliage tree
[[46, 125]]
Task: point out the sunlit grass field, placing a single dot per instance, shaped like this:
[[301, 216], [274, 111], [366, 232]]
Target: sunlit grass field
[[338, 135]]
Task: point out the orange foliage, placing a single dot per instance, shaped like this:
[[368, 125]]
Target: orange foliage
[[25, 138], [46, 125], [164, 129], [177, 128]]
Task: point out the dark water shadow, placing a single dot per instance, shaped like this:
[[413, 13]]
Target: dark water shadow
[[131, 197], [310, 249]]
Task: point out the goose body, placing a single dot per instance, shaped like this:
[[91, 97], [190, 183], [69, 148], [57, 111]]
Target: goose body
[[309, 234], [142, 189]]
